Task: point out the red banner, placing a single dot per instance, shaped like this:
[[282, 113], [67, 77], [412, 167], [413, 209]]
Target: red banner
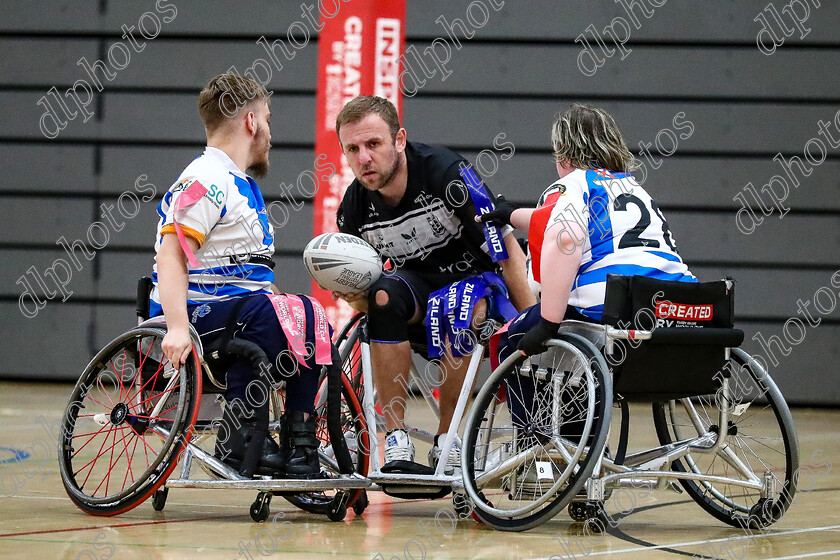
[[358, 54]]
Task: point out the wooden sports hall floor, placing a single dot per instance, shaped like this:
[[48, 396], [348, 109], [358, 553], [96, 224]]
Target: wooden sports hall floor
[[37, 520]]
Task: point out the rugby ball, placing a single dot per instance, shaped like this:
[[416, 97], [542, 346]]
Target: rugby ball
[[342, 263]]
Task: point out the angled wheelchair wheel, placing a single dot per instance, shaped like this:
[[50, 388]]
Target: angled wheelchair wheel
[[349, 345], [356, 436], [535, 432], [129, 417], [348, 330], [761, 444]]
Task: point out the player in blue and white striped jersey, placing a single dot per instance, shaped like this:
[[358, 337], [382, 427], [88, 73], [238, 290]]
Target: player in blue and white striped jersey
[[213, 269], [595, 220]]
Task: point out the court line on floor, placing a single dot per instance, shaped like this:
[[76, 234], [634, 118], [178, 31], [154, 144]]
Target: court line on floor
[[136, 524], [694, 543], [809, 555]]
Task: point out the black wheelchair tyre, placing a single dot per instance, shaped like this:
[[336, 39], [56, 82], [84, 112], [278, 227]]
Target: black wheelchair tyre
[[765, 438], [481, 411], [112, 403]]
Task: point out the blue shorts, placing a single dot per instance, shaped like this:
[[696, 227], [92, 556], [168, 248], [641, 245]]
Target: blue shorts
[[256, 321]]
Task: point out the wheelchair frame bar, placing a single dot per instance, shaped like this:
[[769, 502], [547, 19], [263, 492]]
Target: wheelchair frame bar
[[343, 482], [233, 480], [657, 476], [369, 408]]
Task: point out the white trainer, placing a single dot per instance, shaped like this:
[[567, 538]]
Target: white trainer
[[454, 460], [398, 447]]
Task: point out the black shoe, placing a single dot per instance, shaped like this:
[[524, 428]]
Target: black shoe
[[239, 430], [303, 444]]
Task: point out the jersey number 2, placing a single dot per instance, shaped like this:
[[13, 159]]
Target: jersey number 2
[[633, 236]]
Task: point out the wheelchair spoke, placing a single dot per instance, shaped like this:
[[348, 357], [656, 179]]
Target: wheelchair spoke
[[95, 458], [92, 436]]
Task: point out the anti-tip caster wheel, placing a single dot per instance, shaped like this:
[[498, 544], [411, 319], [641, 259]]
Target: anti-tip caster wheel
[[765, 512], [361, 503], [578, 512], [159, 498], [462, 506], [338, 508], [261, 507]]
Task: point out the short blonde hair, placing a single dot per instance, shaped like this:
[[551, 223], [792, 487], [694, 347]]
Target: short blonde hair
[[588, 138], [225, 95]]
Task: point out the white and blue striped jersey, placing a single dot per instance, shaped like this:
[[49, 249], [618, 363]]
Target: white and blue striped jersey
[[627, 234], [229, 222]]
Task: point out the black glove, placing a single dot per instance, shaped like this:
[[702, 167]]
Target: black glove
[[501, 213], [534, 340]]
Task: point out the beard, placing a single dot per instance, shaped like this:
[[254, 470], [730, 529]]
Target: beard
[[259, 155], [258, 170], [386, 176]]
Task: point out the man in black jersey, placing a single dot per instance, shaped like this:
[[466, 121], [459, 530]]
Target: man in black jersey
[[409, 202]]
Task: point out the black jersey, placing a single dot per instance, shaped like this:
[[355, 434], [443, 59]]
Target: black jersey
[[433, 227]]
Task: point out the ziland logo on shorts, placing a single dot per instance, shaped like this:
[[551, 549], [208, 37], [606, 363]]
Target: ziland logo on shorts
[[669, 310]]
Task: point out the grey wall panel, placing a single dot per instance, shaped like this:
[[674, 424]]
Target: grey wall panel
[[809, 374], [141, 117], [61, 15], [774, 294], [110, 320], [53, 344], [23, 117], [214, 16], [537, 19], [646, 71], [45, 220], [718, 20], [290, 275], [120, 272], [800, 240], [45, 61], [61, 269], [174, 117], [718, 127], [190, 64], [39, 167], [139, 231], [713, 182]]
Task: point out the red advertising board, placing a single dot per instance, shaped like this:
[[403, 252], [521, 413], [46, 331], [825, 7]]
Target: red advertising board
[[359, 52]]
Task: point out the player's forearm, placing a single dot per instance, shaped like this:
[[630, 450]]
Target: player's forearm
[[516, 279], [173, 282], [521, 218], [559, 264]]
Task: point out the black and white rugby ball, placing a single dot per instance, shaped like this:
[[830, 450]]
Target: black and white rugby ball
[[342, 263]]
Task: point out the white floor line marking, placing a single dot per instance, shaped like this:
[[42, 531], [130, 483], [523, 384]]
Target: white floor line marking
[[811, 555], [694, 543]]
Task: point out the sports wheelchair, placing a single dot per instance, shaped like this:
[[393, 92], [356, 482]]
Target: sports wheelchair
[[535, 439], [132, 417]]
